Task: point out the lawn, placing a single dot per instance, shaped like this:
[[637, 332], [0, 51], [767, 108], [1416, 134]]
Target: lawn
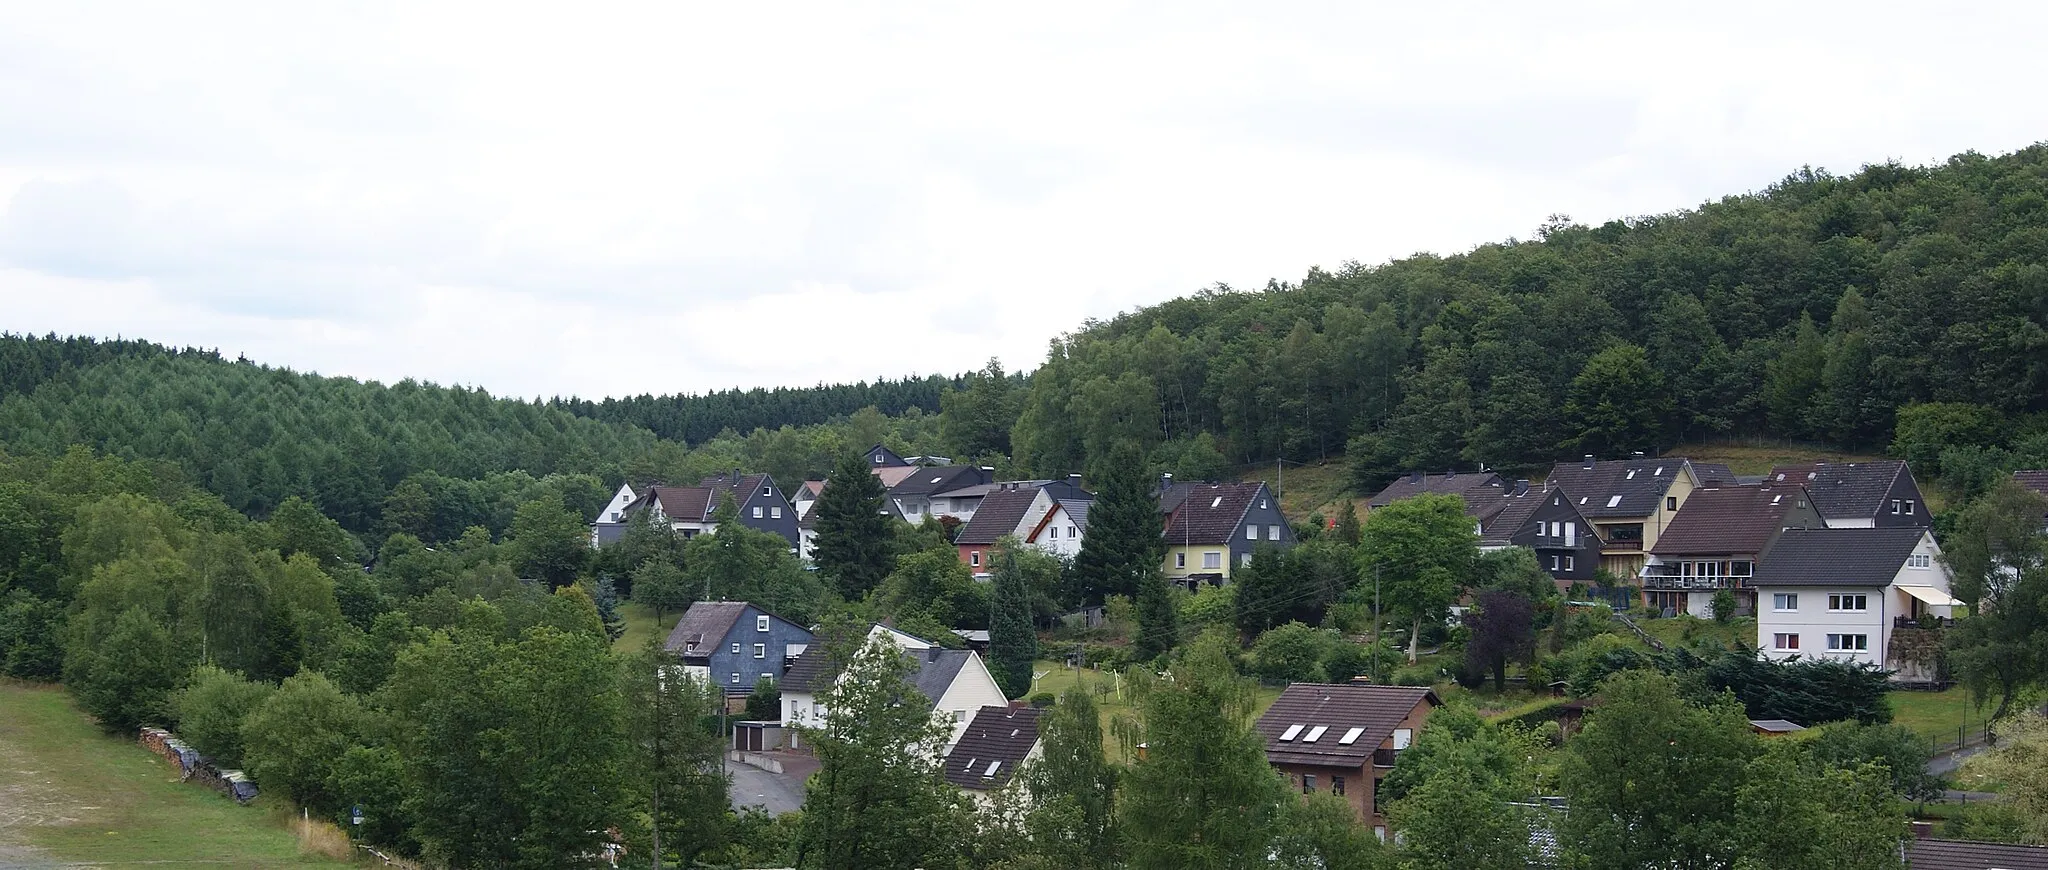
[[1759, 457], [640, 625], [1937, 716], [1681, 631], [78, 795], [1056, 677]]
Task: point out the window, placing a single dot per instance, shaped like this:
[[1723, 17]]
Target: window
[[1614, 501], [760, 623], [1785, 641], [878, 459], [1212, 559], [1251, 533], [775, 513], [1569, 563], [1272, 533], [1070, 533], [1784, 602], [767, 491], [1379, 831], [1555, 562], [1848, 603], [1180, 560], [1401, 738], [1262, 504], [1671, 502], [1739, 569], [1571, 534], [1308, 783], [1895, 506], [757, 512], [760, 650], [735, 678], [735, 649], [1337, 785], [1919, 560], [1909, 507], [1244, 559], [1848, 642], [974, 558]]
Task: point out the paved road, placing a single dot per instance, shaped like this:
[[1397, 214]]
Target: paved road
[[774, 792]]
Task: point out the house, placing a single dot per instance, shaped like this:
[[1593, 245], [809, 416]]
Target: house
[[1344, 738], [1546, 521], [1774, 727], [686, 509], [761, 505], [880, 456], [1417, 483], [1875, 595], [1630, 502], [611, 520], [734, 644], [993, 746], [917, 496], [1715, 543], [1059, 532], [1214, 526], [1932, 854], [1860, 494], [956, 681], [806, 494], [2035, 482], [1011, 509]]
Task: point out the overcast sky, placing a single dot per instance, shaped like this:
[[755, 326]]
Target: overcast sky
[[609, 200]]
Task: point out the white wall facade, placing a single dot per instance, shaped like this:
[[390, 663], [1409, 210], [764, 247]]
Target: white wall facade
[[1061, 536], [1813, 620], [972, 690]]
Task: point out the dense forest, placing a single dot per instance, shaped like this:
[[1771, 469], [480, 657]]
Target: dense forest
[[1810, 311], [695, 418]]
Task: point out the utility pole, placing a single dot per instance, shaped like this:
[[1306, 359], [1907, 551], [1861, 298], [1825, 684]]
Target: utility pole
[[1376, 677]]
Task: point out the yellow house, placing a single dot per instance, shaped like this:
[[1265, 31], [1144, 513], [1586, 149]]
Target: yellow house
[[1212, 528], [1630, 502]]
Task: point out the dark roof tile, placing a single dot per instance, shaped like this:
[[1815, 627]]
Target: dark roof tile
[[1732, 520], [1844, 490], [1210, 513], [704, 626], [1336, 709], [996, 741], [1619, 488], [926, 481], [1414, 484], [1966, 855], [1837, 557], [998, 515]]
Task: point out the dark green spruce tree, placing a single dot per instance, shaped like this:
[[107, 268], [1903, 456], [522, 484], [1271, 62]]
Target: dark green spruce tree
[[1012, 644], [1123, 545], [854, 540]]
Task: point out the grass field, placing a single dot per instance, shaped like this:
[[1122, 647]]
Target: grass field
[[1056, 677], [73, 794], [640, 625], [1759, 457]]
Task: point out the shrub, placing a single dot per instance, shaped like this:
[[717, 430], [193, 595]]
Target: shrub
[[211, 709], [1042, 699]]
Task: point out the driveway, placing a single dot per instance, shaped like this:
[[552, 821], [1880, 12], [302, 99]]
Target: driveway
[[776, 793]]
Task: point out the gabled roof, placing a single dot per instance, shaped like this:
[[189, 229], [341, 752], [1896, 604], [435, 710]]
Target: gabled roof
[[1931, 854], [1517, 504], [1210, 513], [1715, 472], [925, 481], [890, 475], [704, 626], [1316, 719], [1075, 510], [1837, 557], [1731, 520], [808, 672], [678, 503], [1416, 483], [1844, 490], [1619, 488], [811, 488], [937, 668], [999, 514], [889, 458], [996, 741], [742, 487], [1171, 495]]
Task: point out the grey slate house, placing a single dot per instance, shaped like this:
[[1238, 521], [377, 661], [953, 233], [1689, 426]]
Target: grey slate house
[[734, 644], [1544, 520], [1212, 528], [761, 504], [1932, 854], [1849, 495]]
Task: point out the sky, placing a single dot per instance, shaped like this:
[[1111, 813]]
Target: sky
[[604, 199]]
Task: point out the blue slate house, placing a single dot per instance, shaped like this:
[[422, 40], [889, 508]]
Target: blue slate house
[[734, 644]]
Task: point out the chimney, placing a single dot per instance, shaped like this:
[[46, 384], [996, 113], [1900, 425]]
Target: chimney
[[1415, 477], [1450, 473], [1522, 486], [1589, 460], [1074, 478], [1923, 830], [1636, 455], [932, 655]]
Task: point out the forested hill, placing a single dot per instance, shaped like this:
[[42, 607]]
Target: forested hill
[[698, 418], [1812, 310]]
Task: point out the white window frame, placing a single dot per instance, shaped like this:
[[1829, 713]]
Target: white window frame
[[775, 513], [1778, 641], [1570, 563], [974, 558], [1212, 559], [1244, 559], [1402, 738], [757, 512], [735, 680], [735, 649], [1784, 602], [1848, 602], [1848, 643], [1909, 507], [1272, 533], [760, 650], [760, 623], [1251, 533], [1180, 559]]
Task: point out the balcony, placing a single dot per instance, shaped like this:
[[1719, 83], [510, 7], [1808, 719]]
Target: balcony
[[1384, 757], [1929, 622], [1703, 584]]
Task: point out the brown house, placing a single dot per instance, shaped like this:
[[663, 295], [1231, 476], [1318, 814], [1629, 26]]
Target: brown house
[[1344, 738]]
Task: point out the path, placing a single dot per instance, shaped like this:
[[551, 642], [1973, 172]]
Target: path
[[777, 793]]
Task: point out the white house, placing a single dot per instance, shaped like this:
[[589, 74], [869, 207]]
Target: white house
[[1844, 593], [957, 682], [1059, 531], [611, 521], [997, 743]]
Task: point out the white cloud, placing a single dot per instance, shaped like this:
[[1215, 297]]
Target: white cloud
[[661, 197]]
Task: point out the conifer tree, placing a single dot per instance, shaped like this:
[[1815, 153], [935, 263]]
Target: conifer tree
[[1123, 543], [1072, 820], [1202, 795], [1158, 624], [854, 542], [1348, 529], [1013, 645]]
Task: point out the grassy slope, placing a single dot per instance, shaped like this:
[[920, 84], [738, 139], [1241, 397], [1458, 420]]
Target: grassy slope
[[1058, 678], [640, 625], [80, 795]]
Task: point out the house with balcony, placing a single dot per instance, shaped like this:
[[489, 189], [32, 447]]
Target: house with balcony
[[1872, 595], [1715, 543], [688, 510], [1630, 502], [1547, 521], [1859, 494], [1344, 739], [1211, 527], [948, 490]]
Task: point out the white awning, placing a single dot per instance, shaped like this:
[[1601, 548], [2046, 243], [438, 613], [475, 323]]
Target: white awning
[[1931, 595]]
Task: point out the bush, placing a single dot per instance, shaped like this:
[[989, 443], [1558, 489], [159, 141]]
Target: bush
[[211, 710], [1293, 652], [297, 736], [1042, 699], [1724, 606], [764, 704]]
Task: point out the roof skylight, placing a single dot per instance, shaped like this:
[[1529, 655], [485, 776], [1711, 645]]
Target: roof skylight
[[1350, 737], [1291, 731], [1614, 501], [1315, 733]]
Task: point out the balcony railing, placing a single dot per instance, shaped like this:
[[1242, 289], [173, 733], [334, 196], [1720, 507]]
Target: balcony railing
[[1933, 622], [1384, 757], [1674, 581]]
